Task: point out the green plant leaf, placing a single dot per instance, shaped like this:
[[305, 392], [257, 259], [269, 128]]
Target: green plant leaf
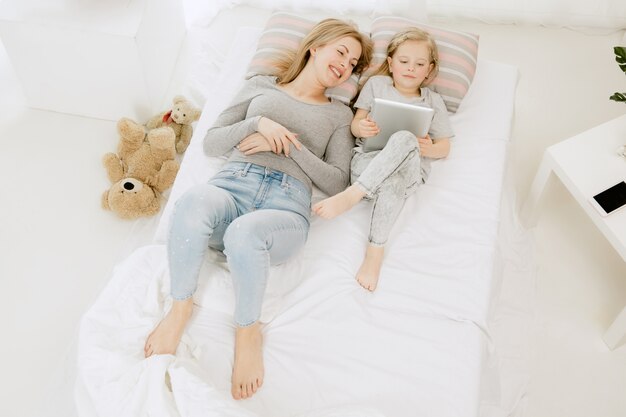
[[618, 97], [620, 56]]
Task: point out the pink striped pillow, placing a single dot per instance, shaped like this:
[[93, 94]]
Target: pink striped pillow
[[457, 56], [285, 31]]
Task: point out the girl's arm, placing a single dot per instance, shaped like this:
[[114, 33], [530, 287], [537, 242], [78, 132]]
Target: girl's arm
[[362, 126], [441, 128], [358, 116], [434, 148]]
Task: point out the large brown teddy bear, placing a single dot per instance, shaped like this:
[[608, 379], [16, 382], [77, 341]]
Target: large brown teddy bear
[[179, 118], [143, 168]]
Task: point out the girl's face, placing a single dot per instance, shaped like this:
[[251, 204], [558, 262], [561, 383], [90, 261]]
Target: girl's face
[[335, 61], [410, 65]]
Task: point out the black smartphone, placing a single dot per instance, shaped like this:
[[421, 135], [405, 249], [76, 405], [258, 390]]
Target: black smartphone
[[611, 199]]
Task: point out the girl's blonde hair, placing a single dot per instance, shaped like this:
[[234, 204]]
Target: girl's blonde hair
[[412, 34], [290, 64]]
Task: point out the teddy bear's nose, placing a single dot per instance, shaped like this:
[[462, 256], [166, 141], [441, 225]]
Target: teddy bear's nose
[[131, 185]]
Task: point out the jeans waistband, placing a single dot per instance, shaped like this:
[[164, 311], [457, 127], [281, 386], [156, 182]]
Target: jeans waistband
[[259, 169]]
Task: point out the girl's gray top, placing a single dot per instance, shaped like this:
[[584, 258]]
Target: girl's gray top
[[381, 86], [323, 130]]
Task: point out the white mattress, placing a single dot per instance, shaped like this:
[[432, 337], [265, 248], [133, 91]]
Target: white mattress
[[415, 347]]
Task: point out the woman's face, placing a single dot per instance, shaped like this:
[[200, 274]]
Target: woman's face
[[335, 61], [410, 65]]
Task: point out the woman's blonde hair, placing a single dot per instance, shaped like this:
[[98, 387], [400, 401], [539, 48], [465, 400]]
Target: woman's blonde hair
[[290, 64], [412, 34]]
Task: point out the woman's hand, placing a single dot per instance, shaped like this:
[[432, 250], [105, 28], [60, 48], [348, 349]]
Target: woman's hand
[[278, 136], [368, 128], [254, 143]]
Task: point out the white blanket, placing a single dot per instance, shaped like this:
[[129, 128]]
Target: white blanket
[[415, 347]]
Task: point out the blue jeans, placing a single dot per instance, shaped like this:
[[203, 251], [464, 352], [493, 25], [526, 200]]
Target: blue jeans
[[257, 216]]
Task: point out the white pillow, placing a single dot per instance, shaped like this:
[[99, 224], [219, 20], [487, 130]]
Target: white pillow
[[600, 15], [203, 13], [415, 9]]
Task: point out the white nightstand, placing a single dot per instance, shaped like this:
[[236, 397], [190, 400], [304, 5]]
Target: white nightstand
[[587, 164]]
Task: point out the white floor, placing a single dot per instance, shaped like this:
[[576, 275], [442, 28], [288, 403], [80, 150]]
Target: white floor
[[58, 247]]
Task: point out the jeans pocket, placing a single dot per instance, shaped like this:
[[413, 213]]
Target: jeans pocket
[[228, 172]]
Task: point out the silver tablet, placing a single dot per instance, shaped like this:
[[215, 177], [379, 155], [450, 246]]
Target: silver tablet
[[393, 116]]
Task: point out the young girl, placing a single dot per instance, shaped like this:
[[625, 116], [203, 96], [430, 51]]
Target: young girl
[[256, 209], [388, 176]]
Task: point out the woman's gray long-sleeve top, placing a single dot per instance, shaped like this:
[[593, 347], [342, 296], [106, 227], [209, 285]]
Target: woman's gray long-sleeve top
[[323, 130]]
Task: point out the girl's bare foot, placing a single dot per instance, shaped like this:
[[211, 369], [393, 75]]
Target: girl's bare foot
[[370, 268], [165, 338], [339, 203], [248, 368]]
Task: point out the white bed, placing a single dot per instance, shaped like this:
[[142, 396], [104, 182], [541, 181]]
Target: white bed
[[418, 346]]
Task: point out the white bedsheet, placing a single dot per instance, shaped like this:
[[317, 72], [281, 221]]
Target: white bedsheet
[[415, 347]]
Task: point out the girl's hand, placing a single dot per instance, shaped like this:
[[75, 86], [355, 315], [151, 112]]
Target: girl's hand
[[254, 143], [278, 137], [368, 127], [426, 146]]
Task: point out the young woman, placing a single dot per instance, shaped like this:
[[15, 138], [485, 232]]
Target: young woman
[[285, 135], [388, 176]]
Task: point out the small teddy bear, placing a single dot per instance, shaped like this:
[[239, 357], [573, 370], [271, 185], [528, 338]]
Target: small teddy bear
[[142, 169], [179, 118]]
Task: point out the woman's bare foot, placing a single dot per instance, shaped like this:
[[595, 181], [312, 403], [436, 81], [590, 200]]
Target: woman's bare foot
[[370, 268], [165, 338], [339, 203], [248, 368]]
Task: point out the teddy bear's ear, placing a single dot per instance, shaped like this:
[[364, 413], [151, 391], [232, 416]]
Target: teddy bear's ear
[[196, 114], [179, 99], [105, 200]]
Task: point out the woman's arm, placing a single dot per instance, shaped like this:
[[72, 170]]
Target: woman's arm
[[331, 174], [231, 125]]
